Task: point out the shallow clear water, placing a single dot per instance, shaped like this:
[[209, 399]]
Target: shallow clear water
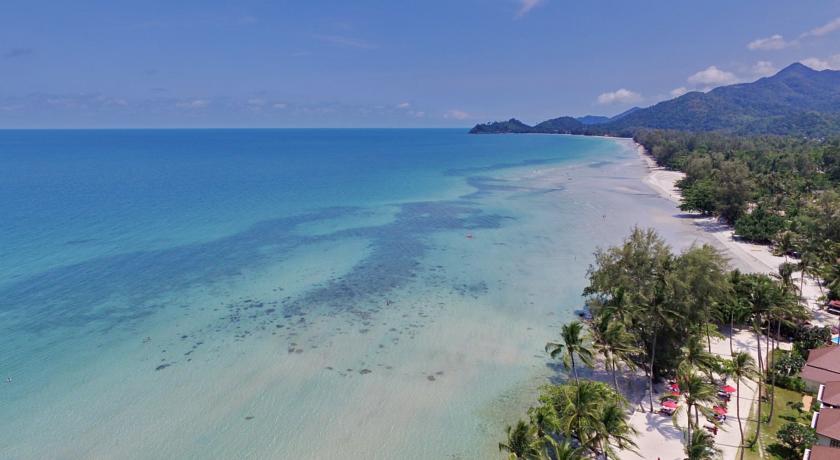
[[293, 293]]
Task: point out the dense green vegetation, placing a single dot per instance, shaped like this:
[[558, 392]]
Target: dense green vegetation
[[779, 190], [656, 311]]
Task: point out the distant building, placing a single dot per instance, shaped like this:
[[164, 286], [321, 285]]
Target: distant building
[[823, 366], [826, 422], [821, 453], [829, 394]]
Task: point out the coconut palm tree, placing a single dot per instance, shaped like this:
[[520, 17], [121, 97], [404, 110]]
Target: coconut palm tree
[[522, 443], [696, 357], [611, 339], [659, 315], [613, 430], [785, 244], [785, 276], [574, 343], [578, 407], [699, 395], [701, 446], [565, 451], [742, 366]]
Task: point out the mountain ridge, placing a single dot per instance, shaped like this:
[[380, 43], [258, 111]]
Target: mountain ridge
[[796, 100]]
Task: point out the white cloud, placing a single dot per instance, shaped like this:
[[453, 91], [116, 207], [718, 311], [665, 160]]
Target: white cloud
[[712, 76], [824, 29], [620, 96], [829, 63], [525, 6], [192, 104], [763, 69], [773, 42], [403, 105], [256, 102], [456, 114], [677, 92]]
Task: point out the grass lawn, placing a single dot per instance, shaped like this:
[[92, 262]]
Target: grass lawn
[[784, 413]]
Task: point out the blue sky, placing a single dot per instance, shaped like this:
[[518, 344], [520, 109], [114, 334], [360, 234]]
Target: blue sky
[[369, 63]]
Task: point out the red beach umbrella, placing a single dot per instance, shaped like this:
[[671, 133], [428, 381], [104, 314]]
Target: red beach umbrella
[[719, 410], [669, 404], [728, 389]]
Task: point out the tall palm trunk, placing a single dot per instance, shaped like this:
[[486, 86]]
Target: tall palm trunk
[[757, 331], [688, 431], [801, 284], [650, 374], [708, 337], [615, 376], [731, 331], [574, 368], [773, 371], [757, 328], [738, 413], [758, 421], [772, 390]]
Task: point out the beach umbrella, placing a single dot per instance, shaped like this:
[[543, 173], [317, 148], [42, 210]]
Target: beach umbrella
[[669, 404], [728, 389], [719, 410]]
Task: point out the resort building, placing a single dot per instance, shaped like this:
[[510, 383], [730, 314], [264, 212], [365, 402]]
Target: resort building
[[826, 422], [821, 453], [823, 366], [829, 394]]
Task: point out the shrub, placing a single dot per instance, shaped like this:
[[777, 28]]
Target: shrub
[[796, 436]]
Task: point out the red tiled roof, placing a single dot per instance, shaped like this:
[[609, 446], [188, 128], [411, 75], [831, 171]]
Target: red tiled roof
[[823, 364], [828, 423], [817, 357], [831, 393], [824, 453], [818, 375]]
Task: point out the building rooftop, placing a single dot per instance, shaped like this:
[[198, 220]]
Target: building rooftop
[[828, 423], [823, 364], [822, 453], [830, 393]]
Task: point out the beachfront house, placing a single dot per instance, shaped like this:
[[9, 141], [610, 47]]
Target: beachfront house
[[823, 366], [821, 453], [829, 394], [826, 422]]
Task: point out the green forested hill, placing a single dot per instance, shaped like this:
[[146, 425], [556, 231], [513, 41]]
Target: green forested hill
[[796, 101]]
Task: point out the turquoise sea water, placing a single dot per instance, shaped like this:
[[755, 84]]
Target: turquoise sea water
[[293, 293]]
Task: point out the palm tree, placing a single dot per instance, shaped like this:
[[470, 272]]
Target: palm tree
[[574, 343], [695, 356], [611, 339], [659, 316], [613, 430], [785, 244], [785, 276], [698, 395], [701, 446], [578, 407], [742, 366], [522, 443], [565, 451]]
